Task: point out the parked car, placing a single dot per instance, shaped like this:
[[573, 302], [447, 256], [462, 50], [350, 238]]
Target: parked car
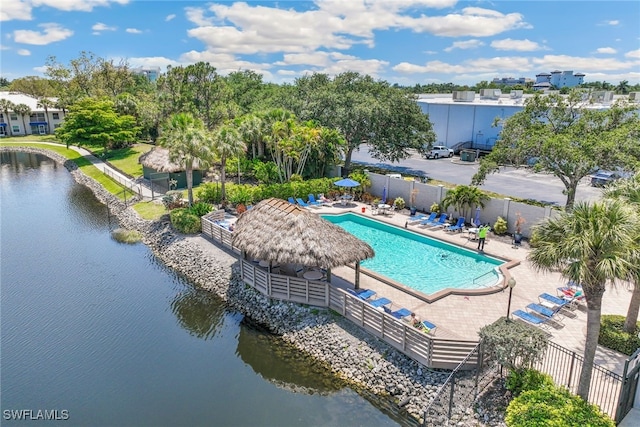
[[438, 151], [603, 178]]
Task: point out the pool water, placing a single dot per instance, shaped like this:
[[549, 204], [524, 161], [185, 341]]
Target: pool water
[[417, 261]]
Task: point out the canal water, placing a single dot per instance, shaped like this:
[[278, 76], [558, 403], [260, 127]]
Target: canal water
[[100, 333]]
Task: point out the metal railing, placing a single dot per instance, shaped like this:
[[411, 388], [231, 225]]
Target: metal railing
[[565, 365], [125, 182]]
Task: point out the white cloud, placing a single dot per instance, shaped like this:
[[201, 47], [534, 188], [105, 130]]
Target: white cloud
[[51, 33], [244, 28], [525, 45], [606, 50], [24, 52], [133, 31], [582, 64], [15, 10], [613, 22], [79, 5], [467, 44], [170, 17], [634, 54], [3, 47], [99, 26]]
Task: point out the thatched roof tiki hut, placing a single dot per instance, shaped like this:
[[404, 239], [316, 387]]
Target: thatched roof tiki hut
[[277, 231], [157, 168]]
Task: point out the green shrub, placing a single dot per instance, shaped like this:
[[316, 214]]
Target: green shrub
[[172, 200], [266, 173], [554, 407], [435, 207], [399, 203], [200, 208], [500, 226], [184, 221], [521, 380], [612, 336]]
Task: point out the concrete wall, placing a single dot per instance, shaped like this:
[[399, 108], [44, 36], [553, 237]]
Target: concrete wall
[[429, 194]]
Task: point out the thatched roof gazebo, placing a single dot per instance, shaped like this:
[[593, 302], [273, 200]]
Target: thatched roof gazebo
[[277, 231], [157, 161]]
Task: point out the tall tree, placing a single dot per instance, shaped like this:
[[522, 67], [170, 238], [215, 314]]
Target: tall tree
[[6, 106], [35, 86], [590, 245], [46, 103], [364, 111], [629, 190], [23, 110], [188, 142], [199, 90], [463, 198], [623, 87], [95, 122], [227, 142], [568, 138]]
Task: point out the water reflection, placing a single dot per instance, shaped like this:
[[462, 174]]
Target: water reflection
[[278, 362], [199, 312]]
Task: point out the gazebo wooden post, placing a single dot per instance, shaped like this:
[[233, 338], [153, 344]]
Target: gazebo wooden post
[[357, 284], [329, 275]]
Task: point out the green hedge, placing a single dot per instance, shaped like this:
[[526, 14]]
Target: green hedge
[[185, 221], [554, 407], [612, 336], [521, 380], [251, 194]]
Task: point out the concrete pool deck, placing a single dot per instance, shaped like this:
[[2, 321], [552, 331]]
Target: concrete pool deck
[[460, 317]]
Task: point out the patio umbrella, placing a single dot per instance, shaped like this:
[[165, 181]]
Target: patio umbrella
[[347, 182], [476, 220], [384, 195]]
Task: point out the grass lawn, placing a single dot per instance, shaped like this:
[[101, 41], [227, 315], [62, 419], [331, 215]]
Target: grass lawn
[[150, 210], [85, 165], [126, 159]]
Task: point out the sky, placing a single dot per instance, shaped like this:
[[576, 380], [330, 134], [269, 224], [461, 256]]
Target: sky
[[401, 41]]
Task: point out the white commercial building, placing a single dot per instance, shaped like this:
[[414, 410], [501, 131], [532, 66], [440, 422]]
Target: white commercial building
[[36, 121], [466, 119]]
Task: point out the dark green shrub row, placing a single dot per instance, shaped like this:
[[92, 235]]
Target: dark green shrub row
[[554, 407], [521, 380], [185, 221], [200, 208], [250, 194], [612, 336]]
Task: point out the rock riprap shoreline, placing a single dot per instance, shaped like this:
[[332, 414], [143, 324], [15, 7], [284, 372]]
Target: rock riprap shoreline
[[354, 355]]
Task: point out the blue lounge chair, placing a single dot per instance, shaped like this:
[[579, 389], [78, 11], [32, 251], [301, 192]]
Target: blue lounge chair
[[545, 312], [380, 302], [558, 302], [291, 200], [439, 222], [530, 318], [398, 314], [302, 203], [363, 294], [422, 218], [428, 327], [458, 227], [313, 201]]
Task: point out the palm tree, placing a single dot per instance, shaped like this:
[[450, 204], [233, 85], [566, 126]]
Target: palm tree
[[188, 142], [46, 103], [463, 197], [623, 87], [227, 142], [589, 245], [629, 191], [23, 110], [251, 128], [5, 107]]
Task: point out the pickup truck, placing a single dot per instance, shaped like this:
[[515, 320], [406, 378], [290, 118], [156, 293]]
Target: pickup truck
[[438, 151]]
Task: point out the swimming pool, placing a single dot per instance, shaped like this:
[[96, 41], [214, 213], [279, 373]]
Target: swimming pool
[[417, 261]]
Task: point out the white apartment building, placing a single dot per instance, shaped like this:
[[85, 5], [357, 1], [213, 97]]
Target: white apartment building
[[37, 122]]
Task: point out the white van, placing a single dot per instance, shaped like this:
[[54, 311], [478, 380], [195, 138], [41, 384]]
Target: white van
[[394, 175]]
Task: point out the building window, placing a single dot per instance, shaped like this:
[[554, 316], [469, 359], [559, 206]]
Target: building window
[[56, 116], [14, 117], [15, 129]]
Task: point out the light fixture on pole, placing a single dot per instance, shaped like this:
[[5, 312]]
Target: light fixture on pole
[[512, 284]]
